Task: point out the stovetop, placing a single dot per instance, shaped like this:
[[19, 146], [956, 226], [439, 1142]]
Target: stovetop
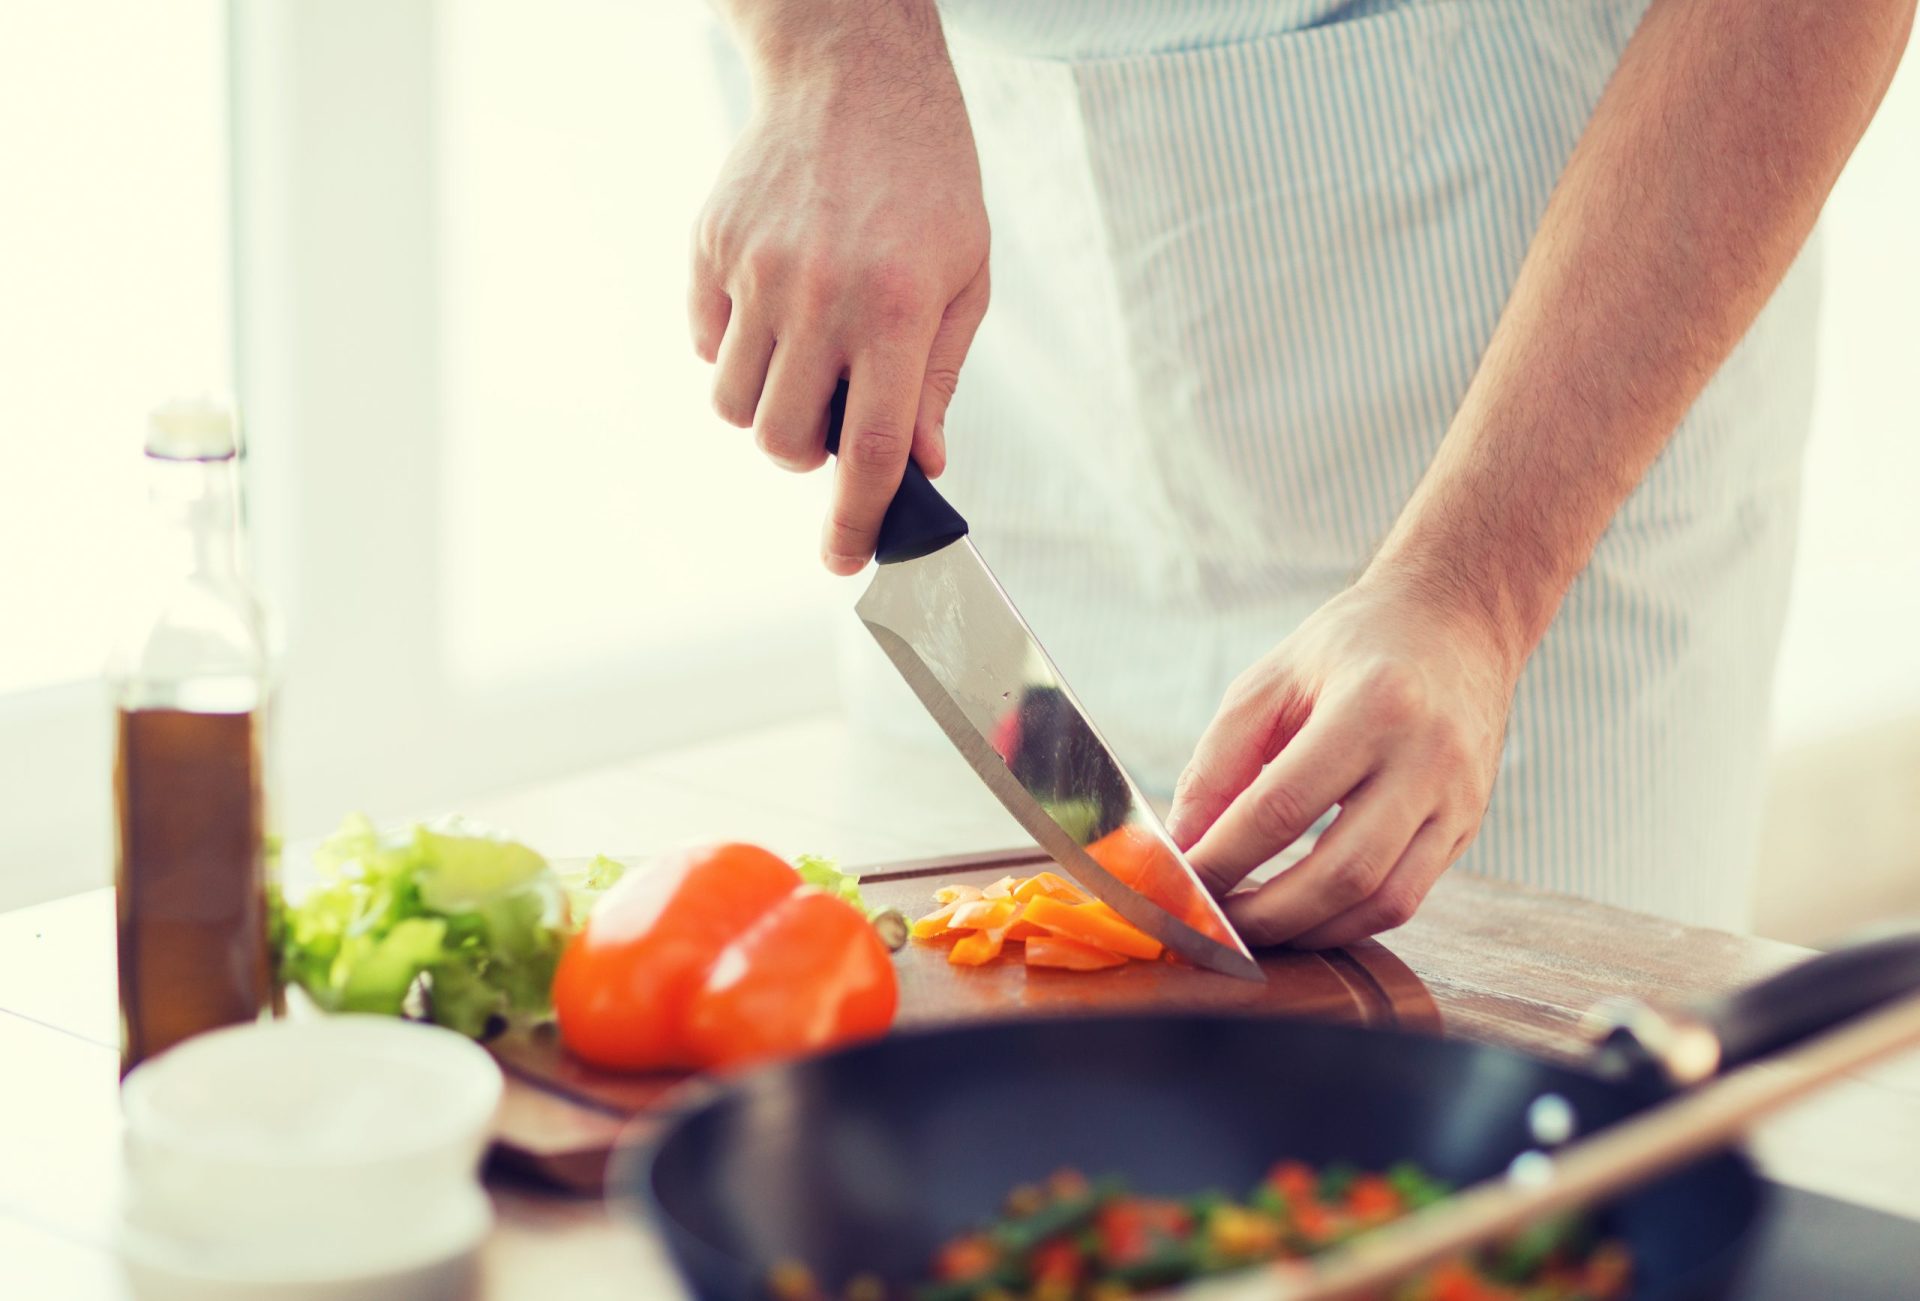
[[1815, 1248]]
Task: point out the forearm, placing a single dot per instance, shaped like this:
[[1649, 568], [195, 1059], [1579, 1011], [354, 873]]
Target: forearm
[[1697, 180]]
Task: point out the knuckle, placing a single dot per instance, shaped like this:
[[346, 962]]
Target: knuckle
[[893, 290], [944, 380], [817, 281], [785, 450], [1450, 747], [848, 536], [709, 236], [1280, 814], [1394, 905], [1350, 880], [1259, 932], [873, 450], [1391, 696], [1247, 687], [1472, 796], [764, 263], [1198, 788]]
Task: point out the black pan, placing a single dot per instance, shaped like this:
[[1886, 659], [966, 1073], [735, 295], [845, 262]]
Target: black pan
[[864, 1160]]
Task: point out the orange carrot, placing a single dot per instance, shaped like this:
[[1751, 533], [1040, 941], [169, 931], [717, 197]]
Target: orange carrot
[[1072, 955], [983, 914], [1022, 929], [976, 948], [937, 922], [1094, 924], [1051, 884]]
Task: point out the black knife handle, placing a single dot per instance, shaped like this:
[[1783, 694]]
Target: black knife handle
[[919, 521]]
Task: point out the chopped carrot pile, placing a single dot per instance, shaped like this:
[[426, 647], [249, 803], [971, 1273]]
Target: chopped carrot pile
[[1054, 921]]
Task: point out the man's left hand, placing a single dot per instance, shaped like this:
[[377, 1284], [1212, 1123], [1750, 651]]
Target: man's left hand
[[1389, 702]]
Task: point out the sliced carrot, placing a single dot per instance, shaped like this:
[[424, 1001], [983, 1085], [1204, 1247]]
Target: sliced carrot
[[1052, 884], [1022, 929], [937, 922], [1046, 906], [1072, 955], [986, 922], [1107, 911], [977, 947], [983, 915], [1092, 924]]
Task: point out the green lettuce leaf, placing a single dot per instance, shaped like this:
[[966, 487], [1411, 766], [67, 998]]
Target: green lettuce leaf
[[377, 971], [474, 919], [464, 866], [583, 886], [825, 874]]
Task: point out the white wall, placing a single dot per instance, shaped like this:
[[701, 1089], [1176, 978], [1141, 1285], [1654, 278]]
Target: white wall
[[1840, 843], [1851, 655]]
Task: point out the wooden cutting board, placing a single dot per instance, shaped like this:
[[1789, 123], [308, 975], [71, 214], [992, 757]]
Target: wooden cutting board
[[562, 1120]]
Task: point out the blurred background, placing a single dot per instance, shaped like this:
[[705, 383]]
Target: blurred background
[[438, 250]]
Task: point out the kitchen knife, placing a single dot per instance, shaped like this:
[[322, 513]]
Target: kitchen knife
[[944, 621]]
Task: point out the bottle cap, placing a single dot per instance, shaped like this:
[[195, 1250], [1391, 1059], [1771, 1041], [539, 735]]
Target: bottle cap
[[193, 429]]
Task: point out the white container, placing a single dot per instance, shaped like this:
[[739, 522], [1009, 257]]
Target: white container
[[322, 1158]]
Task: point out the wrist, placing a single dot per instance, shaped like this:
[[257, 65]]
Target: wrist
[[827, 42], [1502, 607]]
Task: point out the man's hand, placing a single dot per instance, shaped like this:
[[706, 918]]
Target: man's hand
[[1385, 702], [846, 236]]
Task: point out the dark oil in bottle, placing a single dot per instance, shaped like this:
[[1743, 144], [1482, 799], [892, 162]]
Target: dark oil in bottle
[[190, 877]]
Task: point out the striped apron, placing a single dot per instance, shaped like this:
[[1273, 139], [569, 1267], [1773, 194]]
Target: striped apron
[[1246, 258]]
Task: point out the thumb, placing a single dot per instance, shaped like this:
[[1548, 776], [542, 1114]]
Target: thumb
[[950, 343]]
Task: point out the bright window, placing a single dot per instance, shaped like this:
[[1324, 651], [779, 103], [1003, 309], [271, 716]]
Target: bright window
[[509, 537], [113, 295], [592, 501]]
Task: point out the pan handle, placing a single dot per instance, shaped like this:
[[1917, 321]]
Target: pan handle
[[919, 521], [1681, 1047]]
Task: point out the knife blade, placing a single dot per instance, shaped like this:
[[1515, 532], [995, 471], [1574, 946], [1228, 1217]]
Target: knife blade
[[950, 629]]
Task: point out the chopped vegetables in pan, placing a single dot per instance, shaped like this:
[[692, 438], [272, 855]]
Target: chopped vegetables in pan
[[1071, 1239], [1053, 921]]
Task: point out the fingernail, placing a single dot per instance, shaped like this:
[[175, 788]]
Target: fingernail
[[845, 565]]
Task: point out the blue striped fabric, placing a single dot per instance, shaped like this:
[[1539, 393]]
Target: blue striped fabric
[[1246, 258]]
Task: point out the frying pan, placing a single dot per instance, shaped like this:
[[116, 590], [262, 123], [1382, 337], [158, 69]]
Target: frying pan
[[864, 1160]]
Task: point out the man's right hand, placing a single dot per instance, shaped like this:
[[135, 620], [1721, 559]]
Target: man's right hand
[[846, 236]]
